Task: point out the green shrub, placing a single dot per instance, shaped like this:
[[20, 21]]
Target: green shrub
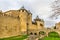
[[42, 32], [53, 34]]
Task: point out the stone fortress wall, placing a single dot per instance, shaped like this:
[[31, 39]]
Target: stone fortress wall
[[19, 22]]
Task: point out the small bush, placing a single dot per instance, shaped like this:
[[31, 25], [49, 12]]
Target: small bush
[[42, 33], [53, 34]]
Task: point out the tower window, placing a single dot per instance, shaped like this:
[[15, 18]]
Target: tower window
[[22, 10], [18, 17], [55, 27], [41, 24], [31, 33], [27, 24]]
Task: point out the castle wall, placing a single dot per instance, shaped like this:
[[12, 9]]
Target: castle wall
[[58, 26], [33, 27], [40, 24], [9, 26]]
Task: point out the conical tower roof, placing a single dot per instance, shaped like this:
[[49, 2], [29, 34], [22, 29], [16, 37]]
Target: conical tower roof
[[22, 7], [38, 19]]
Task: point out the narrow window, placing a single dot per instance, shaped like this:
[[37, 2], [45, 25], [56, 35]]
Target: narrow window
[[31, 33], [35, 33], [6, 28], [22, 10], [55, 27], [41, 24]]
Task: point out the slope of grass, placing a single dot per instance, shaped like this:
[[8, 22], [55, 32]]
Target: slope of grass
[[16, 38], [51, 38]]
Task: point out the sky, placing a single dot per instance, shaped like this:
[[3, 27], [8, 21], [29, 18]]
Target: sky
[[42, 8]]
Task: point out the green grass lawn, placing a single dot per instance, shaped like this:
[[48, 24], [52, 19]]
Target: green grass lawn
[[16, 38], [50, 38]]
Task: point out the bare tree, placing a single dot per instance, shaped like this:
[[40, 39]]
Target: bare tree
[[55, 9]]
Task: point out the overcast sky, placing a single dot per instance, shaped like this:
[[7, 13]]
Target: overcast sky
[[37, 7]]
